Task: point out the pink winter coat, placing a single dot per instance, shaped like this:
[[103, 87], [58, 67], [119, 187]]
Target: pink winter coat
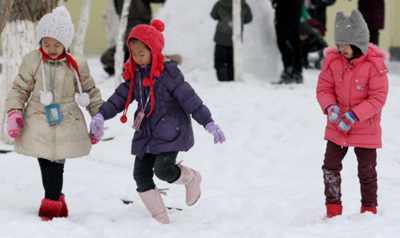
[[360, 86]]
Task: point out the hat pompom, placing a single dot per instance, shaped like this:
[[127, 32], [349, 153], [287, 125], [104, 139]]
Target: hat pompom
[[160, 67], [62, 11], [159, 25], [124, 119], [46, 97], [83, 99], [146, 82]]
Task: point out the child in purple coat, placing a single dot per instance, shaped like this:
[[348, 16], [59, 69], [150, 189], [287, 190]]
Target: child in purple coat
[[162, 120]]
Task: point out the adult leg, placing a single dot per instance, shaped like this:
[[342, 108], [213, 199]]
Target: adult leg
[[367, 175], [221, 62]]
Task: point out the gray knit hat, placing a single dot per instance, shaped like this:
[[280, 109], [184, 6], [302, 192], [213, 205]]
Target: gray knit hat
[[352, 30], [58, 25]]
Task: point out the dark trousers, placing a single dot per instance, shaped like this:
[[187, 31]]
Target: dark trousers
[[374, 36], [223, 62], [52, 178], [162, 165], [366, 173], [287, 35]]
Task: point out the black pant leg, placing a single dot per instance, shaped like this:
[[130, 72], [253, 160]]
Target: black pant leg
[[165, 167], [222, 61], [52, 178], [143, 172]]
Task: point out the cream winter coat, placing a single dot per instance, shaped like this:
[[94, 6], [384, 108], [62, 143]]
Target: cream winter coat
[[39, 139]]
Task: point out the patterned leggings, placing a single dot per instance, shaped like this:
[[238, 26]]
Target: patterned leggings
[[162, 165]]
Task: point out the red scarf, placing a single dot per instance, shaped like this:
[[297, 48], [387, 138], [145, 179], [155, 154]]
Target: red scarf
[[70, 61]]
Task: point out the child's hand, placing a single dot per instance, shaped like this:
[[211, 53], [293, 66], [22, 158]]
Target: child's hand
[[96, 128], [14, 122], [333, 113], [214, 129], [346, 121]]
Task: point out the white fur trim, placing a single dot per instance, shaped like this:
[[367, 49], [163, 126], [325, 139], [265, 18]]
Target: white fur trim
[[83, 99], [46, 97]]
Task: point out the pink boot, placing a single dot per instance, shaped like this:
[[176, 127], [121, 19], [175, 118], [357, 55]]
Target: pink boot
[[192, 179], [64, 208], [368, 209], [153, 201], [49, 209], [333, 210]]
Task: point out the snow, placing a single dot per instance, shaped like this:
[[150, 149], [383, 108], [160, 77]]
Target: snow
[[265, 181]]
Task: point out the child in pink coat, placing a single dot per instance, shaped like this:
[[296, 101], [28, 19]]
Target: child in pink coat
[[352, 90]]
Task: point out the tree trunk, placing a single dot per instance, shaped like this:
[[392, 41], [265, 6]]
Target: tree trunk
[[82, 27], [119, 52], [5, 8], [18, 39], [237, 40], [110, 20]]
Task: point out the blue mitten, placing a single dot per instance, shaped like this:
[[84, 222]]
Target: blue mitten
[[346, 121], [333, 113]]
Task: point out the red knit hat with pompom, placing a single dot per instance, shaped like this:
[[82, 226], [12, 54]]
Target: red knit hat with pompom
[[151, 36]]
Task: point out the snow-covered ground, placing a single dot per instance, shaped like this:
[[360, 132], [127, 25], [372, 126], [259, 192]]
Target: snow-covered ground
[[265, 181]]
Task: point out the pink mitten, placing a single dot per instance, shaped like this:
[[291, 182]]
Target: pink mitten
[[14, 121]]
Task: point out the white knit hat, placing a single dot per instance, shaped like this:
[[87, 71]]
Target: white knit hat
[[352, 30], [57, 25]]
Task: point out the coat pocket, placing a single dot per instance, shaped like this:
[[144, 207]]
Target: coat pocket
[[167, 129]]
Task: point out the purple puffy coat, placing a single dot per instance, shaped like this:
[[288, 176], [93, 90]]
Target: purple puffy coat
[[169, 126]]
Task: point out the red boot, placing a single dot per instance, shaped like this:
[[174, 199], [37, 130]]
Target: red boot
[[333, 210], [368, 209], [50, 209], [64, 208]]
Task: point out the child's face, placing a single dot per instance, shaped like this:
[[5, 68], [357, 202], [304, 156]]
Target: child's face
[[346, 51], [140, 54], [52, 47]]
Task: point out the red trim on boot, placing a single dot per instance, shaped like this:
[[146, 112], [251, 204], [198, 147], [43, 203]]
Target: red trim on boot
[[64, 208], [333, 210], [368, 209], [49, 209]]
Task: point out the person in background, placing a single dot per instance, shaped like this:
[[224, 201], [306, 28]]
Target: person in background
[[352, 89], [139, 13], [373, 12], [223, 54], [43, 114], [162, 122], [317, 9], [287, 20]]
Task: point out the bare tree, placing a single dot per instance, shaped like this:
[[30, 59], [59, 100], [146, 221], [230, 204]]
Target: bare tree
[[237, 40], [5, 8], [82, 26], [119, 53], [18, 39]]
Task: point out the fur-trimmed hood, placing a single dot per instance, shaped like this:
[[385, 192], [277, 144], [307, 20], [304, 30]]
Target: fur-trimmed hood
[[375, 55]]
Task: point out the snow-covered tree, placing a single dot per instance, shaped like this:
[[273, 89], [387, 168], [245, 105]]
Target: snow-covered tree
[[119, 52], [82, 26], [237, 40], [18, 39], [110, 19], [5, 8]]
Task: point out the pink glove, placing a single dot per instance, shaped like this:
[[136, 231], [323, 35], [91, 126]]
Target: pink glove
[[14, 121], [214, 129], [333, 113], [96, 128]]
